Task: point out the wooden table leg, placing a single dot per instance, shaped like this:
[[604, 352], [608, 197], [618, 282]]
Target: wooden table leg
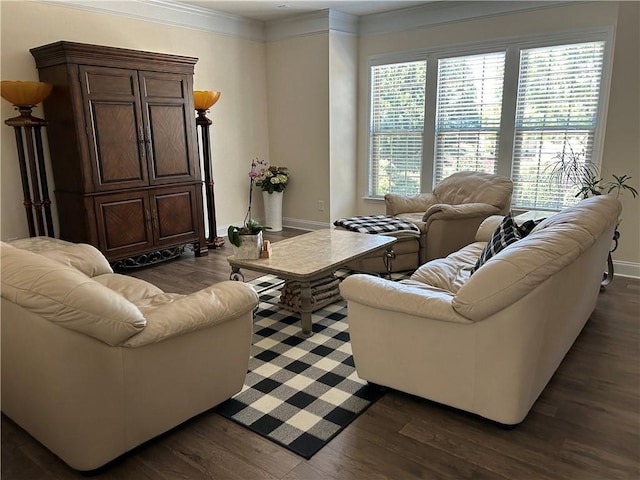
[[305, 308], [387, 258]]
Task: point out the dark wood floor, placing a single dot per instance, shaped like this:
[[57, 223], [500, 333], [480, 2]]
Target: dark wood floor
[[585, 425]]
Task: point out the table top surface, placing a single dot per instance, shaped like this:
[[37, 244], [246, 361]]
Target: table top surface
[[314, 254]]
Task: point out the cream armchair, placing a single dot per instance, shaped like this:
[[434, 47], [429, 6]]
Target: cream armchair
[[449, 217], [95, 363]]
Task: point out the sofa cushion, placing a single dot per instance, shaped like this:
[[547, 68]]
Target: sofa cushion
[[503, 236], [451, 272], [68, 297], [174, 314], [81, 256], [133, 289]]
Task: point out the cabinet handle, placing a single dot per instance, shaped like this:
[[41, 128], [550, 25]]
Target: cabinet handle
[[147, 217], [154, 217]]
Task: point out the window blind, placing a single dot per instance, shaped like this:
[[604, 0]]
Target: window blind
[[469, 106], [397, 125], [556, 114]]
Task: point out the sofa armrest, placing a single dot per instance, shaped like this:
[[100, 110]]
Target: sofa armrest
[[210, 306], [411, 298], [443, 211], [396, 204]]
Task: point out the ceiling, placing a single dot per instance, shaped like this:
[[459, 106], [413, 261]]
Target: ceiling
[[265, 10]]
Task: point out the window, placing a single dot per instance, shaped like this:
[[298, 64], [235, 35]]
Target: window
[[397, 123], [556, 115], [512, 109], [468, 113]]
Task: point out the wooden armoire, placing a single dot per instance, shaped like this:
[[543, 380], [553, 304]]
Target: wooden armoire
[[123, 147]]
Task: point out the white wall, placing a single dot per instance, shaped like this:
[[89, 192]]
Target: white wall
[[298, 86], [343, 100], [622, 141], [232, 65], [621, 149], [312, 92]]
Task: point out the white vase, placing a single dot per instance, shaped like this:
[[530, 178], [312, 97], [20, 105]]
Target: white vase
[[273, 210], [250, 247]]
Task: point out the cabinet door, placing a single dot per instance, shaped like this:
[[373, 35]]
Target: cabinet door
[[124, 224], [111, 98], [175, 215], [169, 116]]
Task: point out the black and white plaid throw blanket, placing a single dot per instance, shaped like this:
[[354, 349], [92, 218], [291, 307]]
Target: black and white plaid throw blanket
[[376, 224]]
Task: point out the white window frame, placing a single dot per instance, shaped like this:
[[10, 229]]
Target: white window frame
[[512, 47]]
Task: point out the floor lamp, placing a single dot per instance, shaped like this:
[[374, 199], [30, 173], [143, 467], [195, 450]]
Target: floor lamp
[[24, 96], [203, 101]]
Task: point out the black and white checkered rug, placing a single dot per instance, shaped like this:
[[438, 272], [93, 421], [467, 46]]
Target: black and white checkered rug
[[299, 392]]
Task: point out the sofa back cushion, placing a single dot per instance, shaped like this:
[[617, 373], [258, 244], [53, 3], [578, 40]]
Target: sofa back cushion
[[64, 295], [475, 187], [81, 256], [551, 246]]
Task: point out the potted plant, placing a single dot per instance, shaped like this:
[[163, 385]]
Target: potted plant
[[273, 182], [572, 167], [247, 239]]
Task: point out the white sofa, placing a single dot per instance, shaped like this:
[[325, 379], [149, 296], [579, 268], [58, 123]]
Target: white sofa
[[489, 342], [95, 363]]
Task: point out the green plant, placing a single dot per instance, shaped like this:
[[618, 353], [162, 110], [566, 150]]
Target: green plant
[[251, 226], [573, 168]]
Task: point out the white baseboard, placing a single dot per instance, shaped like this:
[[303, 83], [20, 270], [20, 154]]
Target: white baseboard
[[304, 224], [626, 269]]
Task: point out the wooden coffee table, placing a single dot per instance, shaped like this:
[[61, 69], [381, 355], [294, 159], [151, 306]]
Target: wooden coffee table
[[310, 257]]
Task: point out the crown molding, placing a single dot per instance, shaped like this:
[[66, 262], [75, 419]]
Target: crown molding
[[343, 22], [311, 23], [167, 12], [438, 13]]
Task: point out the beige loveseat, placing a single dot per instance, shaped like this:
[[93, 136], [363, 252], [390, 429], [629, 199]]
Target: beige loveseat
[[95, 363], [489, 342], [449, 216]]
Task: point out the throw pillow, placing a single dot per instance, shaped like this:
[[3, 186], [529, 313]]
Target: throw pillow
[[503, 236], [527, 227]]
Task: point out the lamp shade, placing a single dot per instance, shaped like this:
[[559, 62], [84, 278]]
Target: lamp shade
[[204, 99], [24, 94]]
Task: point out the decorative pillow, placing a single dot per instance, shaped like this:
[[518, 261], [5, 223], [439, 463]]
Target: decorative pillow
[[527, 227], [503, 236]]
